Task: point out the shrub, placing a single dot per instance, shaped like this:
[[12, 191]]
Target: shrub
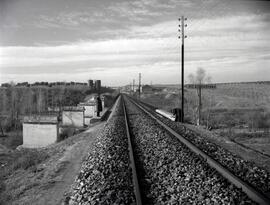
[[260, 120], [28, 158], [4, 196], [67, 132], [19, 159], [2, 185]]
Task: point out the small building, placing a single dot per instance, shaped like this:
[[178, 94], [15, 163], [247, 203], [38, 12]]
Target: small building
[[89, 108], [150, 89], [73, 116], [40, 130]]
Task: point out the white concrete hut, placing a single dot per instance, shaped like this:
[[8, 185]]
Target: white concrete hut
[[40, 130], [73, 116], [90, 110]]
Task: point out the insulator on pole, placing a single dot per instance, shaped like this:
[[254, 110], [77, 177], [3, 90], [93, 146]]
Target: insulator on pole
[[179, 25], [185, 25], [179, 19], [179, 30], [185, 19], [179, 36], [185, 36]]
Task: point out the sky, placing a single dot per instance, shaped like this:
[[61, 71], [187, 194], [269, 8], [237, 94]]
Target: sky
[[114, 40]]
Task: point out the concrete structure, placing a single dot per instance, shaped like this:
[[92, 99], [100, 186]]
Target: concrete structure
[[90, 111], [204, 86], [89, 108], [166, 114], [87, 120], [73, 116], [40, 131]]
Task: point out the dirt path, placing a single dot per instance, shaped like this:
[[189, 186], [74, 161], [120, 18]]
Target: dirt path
[[72, 161], [53, 179]]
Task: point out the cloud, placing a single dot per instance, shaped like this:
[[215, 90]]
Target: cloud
[[222, 45], [72, 19]]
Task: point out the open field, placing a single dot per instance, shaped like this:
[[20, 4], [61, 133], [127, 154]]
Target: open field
[[244, 99], [237, 113], [258, 142], [242, 95]]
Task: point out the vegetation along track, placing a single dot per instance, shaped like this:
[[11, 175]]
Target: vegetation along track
[[173, 171], [247, 171]]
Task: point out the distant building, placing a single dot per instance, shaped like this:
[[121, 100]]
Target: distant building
[[147, 89], [98, 85], [91, 84], [150, 89]]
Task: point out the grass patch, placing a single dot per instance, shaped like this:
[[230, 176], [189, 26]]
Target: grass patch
[[28, 159], [12, 139], [25, 159], [22, 159], [3, 196]]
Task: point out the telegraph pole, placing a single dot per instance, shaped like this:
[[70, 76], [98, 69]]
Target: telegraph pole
[[140, 85], [133, 85], [181, 30]]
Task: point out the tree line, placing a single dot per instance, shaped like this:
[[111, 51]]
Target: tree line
[[15, 102]]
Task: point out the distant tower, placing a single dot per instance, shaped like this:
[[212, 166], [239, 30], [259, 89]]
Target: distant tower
[[98, 85], [91, 84]]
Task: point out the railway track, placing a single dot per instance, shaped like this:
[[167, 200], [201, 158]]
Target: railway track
[[105, 176], [138, 160], [235, 181], [136, 186]]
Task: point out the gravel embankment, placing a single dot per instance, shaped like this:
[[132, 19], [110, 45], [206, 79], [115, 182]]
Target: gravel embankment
[[246, 170], [105, 176], [169, 173]]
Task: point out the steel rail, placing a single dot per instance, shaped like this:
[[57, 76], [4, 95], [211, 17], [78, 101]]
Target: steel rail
[[249, 190], [132, 161]]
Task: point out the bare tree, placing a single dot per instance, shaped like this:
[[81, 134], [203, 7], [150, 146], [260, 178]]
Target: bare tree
[[200, 76], [191, 78], [198, 80]]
